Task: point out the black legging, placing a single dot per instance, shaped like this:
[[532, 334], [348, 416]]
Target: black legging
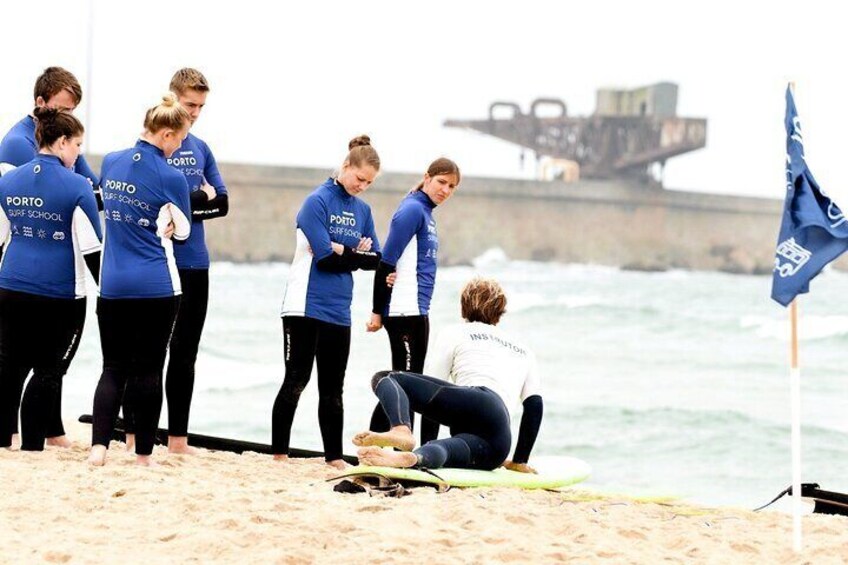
[[55, 427], [305, 340], [408, 338], [134, 334], [37, 333], [179, 378], [477, 418]]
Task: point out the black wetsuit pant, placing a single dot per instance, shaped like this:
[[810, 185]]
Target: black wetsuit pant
[[55, 427], [41, 334], [306, 340], [179, 378], [134, 335], [477, 418], [408, 338]]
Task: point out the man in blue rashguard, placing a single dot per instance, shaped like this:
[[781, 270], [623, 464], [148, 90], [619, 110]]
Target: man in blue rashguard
[[54, 88], [209, 200]]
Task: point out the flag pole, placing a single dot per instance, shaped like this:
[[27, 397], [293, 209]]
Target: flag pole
[[795, 400], [89, 74]]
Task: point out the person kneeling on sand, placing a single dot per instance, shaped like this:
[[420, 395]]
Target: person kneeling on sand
[[480, 374]]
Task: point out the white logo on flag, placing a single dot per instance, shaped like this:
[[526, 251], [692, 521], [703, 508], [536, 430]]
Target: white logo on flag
[[795, 255], [796, 133]]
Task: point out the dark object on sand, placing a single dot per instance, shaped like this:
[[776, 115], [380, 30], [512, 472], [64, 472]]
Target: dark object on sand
[[825, 501]]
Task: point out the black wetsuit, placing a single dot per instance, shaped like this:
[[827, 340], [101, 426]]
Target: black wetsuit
[[196, 161], [28, 343], [305, 340], [48, 217], [477, 418], [134, 336], [316, 309], [408, 339]]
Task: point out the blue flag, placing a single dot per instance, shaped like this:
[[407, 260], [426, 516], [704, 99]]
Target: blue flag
[[813, 231]]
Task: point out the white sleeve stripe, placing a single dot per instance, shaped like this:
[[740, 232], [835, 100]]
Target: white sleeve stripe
[[5, 168], [182, 225], [86, 235], [5, 227]]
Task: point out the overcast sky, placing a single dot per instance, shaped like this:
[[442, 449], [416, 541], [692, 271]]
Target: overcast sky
[[292, 82]]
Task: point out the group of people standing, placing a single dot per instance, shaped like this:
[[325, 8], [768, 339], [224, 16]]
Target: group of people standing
[[153, 274], [152, 269], [479, 372]]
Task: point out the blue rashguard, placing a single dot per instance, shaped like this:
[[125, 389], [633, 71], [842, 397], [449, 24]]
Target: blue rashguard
[[314, 290], [411, 249], [195, 160], [19, 147], [142, 194], [49, 220]]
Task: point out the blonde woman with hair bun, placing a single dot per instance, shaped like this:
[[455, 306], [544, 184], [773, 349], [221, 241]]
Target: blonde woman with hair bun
[[147, 212], [335, 236]]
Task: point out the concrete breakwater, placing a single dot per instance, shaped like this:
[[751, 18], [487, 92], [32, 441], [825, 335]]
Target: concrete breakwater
[[600, 222], [607, 223]]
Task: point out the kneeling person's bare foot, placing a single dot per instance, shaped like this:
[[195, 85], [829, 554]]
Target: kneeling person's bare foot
[[179, 445], [97, 456], [58, 441], [399, 436], [379, 457]]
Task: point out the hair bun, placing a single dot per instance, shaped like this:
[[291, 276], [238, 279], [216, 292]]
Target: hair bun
[[169, 99], [43, 112], [359, 141]]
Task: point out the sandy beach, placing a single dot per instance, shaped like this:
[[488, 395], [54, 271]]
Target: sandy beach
[[221, 507]]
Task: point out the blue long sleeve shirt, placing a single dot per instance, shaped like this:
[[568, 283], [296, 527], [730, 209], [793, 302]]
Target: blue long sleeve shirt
[[412, 247], [49, 216], [195, 160], [329, 214], [142, 194]]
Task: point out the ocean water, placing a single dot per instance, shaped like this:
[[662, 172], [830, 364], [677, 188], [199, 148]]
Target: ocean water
[[670, 383]]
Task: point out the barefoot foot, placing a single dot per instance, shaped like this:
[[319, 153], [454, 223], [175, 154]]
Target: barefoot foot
[[281, 457], [145, 461], [338, 464], [59, 441], [130, 441], [97, 456], [179, 445], [400, 437], [380, 457]]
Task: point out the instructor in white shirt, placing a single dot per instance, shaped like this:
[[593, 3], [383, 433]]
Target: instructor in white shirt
[[480, 374]]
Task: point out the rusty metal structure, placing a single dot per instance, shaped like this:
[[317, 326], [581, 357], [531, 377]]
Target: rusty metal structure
[[630, 133]]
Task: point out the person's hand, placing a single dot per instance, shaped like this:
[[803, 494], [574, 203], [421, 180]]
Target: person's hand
[[374, 324], [364, 244], [519, 467], [169, 230], [209, 190], [390, 279], [338, 248]]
